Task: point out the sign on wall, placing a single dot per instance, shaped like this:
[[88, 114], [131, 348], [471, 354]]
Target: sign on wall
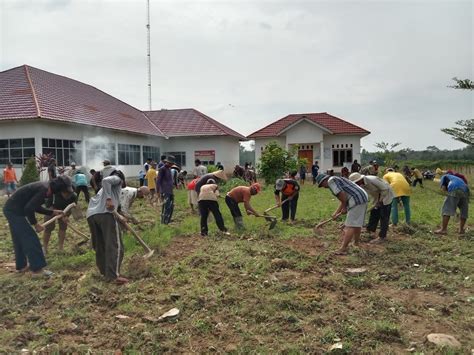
[[207, 157]]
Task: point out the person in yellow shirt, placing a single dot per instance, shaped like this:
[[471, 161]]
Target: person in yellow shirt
[[418, 177], [402, 191], [150, 177]]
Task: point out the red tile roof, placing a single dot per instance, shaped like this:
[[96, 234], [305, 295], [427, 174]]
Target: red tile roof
[[30, 93], [189, 122], [333, 124]]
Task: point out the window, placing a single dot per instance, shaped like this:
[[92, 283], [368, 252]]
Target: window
[[63, 150], [151, 152], [341, 156], [95, 151], [129, 154], [16, 150], [179, 157]]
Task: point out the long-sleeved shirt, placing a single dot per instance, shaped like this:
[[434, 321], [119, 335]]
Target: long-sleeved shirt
[[378, 189], [127, 196], [164, 182], [209, 192], [203, 181], [111, 188], [29, 199]]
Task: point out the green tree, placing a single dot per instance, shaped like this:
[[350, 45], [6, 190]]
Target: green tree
[[465, 132], [30, 173], [276, 161], [386, 151]]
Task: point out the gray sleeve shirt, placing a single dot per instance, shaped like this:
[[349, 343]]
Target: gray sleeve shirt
[[111, 188]]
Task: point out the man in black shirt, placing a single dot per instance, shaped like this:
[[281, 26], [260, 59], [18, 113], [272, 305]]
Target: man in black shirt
[[23, 203]]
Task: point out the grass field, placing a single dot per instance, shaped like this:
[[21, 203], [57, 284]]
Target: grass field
[[258, 292]]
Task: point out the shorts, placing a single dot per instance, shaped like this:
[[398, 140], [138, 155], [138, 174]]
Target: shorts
[[356, 216], [456, 199], [50, 227], [11, 187], [192, 197]]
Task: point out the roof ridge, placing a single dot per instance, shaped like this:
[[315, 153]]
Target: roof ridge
[[340, 119], [105, 93], [270, 124], [33, 92], [217, 123], [153, 124]]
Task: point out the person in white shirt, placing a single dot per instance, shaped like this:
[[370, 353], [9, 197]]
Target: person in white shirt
[[207, 202], [199, 169], [127, 197], [382, 195]]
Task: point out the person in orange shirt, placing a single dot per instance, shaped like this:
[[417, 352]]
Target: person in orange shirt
[[9, 179]]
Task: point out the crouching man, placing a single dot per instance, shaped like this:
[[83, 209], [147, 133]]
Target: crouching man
[[353, 202], [20, 211], [104, 226], [127, 197], [241, 194]]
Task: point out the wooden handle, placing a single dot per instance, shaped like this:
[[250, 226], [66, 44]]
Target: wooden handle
[[52, 220], [276, 206], [78, 231], [130, 229]]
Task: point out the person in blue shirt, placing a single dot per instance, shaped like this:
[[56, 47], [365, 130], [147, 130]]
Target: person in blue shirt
[[80, 182], [457, 197]]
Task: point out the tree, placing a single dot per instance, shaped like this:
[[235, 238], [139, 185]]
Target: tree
[[30, 174], [387, 152], [276, 161], [465, 84], [432, 148], [464, 133]]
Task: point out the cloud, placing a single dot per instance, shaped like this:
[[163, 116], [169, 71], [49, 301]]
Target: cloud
[[382, 65]]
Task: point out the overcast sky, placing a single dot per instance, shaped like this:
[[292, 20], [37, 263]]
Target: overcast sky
[[383, 65]]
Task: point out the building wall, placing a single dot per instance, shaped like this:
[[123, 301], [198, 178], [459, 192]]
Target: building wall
[[40, 129], [260, 143], [304, 132], [226, 149], [330, 140]]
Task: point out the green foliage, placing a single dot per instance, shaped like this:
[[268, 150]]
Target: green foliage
[[30, 174], [211, 168], [276, 161], [464, 133], [465, 84], [230, 184], [246, 156], [387, 152]]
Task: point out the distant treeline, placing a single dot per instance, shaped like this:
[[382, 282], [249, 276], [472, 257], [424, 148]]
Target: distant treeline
[[430, 158]]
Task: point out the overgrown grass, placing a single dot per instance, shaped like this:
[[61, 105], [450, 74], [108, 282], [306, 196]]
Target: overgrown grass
[[258, 291]]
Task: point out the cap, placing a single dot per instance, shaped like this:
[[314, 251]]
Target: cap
[[73, 164], [355, 177], [211, 181], [320, 178], [279, 184], [106, 162], [169, 159]]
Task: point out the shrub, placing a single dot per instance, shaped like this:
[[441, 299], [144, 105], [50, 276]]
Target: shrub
[[230, 184], [30, 173], [276, 161], [211, 168]]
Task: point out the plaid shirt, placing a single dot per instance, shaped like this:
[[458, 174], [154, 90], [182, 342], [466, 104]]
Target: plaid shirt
[[356, 195]]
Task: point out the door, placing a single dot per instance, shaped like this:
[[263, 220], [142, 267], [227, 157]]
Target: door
[[308, 155]]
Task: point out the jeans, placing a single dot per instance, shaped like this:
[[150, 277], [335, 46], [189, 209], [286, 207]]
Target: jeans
[[289, 208], [26, 243], [233, 207], [406, 206], [382, 214], [416, 181], [210, 206], [167, 208], [84, 190]]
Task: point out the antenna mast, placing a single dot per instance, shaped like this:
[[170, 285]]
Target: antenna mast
[[148, 53]]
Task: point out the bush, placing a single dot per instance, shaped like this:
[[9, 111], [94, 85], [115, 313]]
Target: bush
[[230, 184], [30, 173], [211, 168], [276, 161]]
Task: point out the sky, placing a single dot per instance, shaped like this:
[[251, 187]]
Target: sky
[[382, 65]]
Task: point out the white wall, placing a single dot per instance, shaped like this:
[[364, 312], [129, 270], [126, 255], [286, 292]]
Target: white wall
[[39, 129], [260, 143], [226, 149], [329, 140], [304, 132]]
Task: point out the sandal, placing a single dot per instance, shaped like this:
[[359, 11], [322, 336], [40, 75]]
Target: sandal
[[121, 280], [440, 232], [340, 253], [42, 273]]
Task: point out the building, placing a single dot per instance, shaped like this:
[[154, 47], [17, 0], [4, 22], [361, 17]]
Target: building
[[193, 135], [330, 140], [42, 112]]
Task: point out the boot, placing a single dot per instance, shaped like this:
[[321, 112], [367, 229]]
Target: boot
[[239, 223]]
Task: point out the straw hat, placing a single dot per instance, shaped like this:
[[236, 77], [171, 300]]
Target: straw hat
[[355, 177], [220, 174]]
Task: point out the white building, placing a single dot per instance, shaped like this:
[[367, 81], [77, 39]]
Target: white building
[[41, 112], [330, 140]]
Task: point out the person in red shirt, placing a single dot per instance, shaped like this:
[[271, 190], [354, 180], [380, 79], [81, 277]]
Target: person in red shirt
[[9, 179]]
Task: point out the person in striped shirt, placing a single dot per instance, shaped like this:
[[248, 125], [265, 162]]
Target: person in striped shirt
[[353, 202]]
